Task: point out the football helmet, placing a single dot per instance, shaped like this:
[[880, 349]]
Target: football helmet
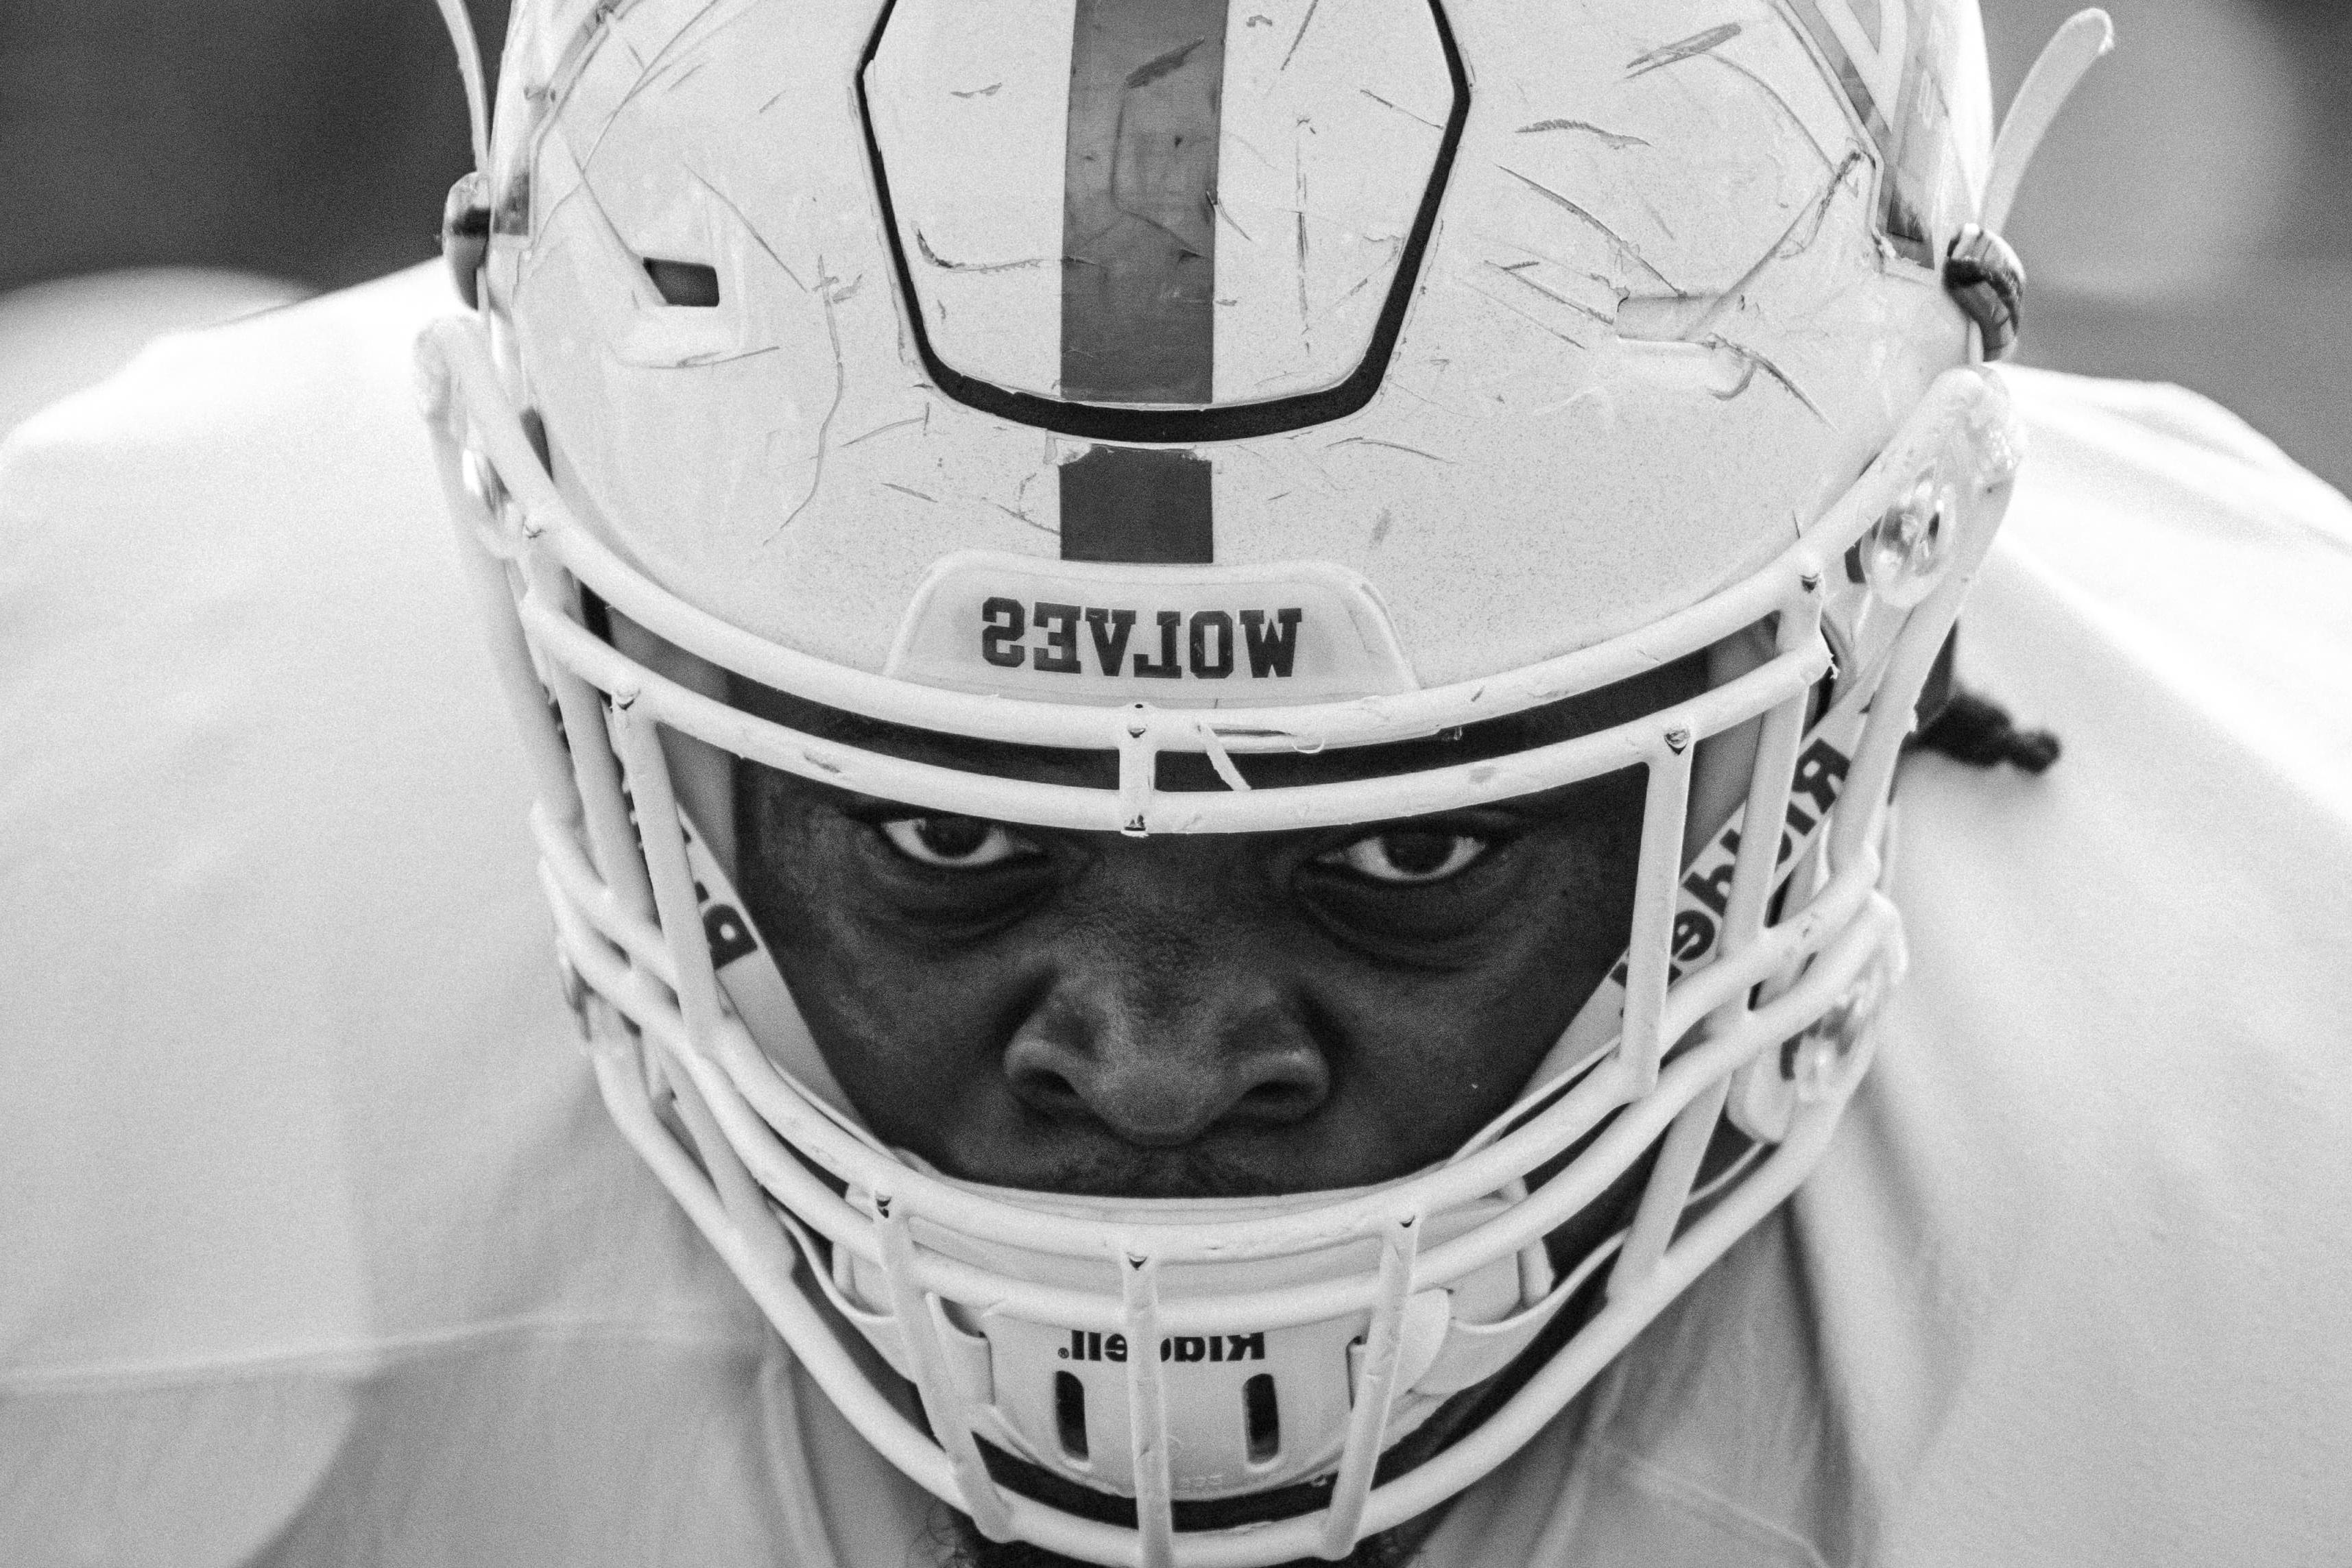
[[1160, 378]]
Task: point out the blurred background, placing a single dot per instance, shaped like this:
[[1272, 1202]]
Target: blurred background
[[2190, 221]]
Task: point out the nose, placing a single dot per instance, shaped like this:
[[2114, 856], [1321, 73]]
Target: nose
[[1159, 1047]]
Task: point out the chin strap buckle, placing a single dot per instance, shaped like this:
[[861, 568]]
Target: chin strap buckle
[[1986, 278], [466, 235]]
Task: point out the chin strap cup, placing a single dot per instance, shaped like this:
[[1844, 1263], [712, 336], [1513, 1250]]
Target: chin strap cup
[[466, 235], [1987, 279]]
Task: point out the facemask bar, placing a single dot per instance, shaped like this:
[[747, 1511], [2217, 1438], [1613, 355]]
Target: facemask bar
[[723, 1197], [661, 1028], [1137, 734]]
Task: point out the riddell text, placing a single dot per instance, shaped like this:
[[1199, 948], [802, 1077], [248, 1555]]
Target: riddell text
[[1208, 645], [1089, 1346]]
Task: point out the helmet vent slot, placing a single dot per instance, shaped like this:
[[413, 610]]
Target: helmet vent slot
[[1070, 1413], [1262, 1418], [690, 283]]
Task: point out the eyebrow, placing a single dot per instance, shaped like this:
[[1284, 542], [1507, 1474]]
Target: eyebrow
[[1522, 813]]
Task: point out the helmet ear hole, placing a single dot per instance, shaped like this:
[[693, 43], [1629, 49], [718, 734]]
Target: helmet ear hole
[[690, 283]]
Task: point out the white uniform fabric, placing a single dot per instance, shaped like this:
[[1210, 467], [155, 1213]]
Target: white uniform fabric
[[58, 337], [315, 1246]]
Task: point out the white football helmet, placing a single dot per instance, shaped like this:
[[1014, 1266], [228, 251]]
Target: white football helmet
[[1148, 377]]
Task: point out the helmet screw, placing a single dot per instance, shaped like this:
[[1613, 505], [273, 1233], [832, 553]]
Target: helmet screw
[[1903, 555]]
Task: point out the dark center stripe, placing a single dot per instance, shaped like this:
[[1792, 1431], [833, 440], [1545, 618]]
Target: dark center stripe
[[1139, 265], [1137, 504], [1139, 188]]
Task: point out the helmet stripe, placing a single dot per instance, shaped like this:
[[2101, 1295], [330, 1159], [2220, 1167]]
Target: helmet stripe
[[1139, 264], [1137, 504], [1138, 235]]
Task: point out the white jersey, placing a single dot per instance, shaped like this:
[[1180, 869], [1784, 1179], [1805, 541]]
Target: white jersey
[[316, 1247]]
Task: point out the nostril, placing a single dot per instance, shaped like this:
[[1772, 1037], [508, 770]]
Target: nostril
[[1288, 1083], [1159, 1083], [1043, 1089], [1286, 1099]]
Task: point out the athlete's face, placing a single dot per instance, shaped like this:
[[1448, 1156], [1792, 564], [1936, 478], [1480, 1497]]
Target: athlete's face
[[1192, 1015]]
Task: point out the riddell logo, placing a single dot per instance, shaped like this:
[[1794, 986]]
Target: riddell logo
[[1820, 780], [1207, 645], [1087, 1346]]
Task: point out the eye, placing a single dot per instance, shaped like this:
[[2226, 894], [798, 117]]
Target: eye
[[956, 843], [1410, 857]]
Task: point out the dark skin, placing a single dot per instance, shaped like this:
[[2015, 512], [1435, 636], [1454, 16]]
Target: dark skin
[[1201, 1014], [1194, 1015]]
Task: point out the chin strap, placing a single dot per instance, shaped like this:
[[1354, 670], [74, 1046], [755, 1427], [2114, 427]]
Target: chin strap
[[751, 982], [1981, 734], [468, 45], [2086, 38], [1972, 729], [1982, 271], [466, 216]]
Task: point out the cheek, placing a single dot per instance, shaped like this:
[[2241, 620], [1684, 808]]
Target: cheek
[[1434, 1057], [903, 1040], [1429, 1063], [899, 1029]]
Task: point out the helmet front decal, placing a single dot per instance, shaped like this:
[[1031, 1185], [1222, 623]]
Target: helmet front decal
[[1135, 222], [1170, 636]]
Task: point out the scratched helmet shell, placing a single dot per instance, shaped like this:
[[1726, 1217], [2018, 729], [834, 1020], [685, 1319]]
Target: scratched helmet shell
[[1184, 284], [1158, 377]]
